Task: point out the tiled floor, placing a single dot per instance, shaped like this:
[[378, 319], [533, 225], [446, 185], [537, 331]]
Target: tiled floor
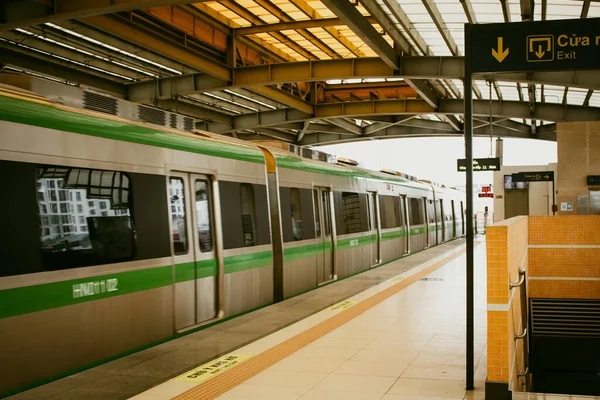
[[410, 346], [138, 372]]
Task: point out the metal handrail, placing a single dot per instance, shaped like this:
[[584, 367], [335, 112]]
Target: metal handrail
[[522, 283], [513, 285], [522, 335]]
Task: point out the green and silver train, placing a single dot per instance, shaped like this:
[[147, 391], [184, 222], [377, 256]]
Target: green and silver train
[[118, 233]]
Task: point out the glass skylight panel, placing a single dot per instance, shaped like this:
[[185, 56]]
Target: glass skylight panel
[[563, 9], [576, 96], [554, 94], [594, 11], [595, 99], [509, 92], [488, 11]]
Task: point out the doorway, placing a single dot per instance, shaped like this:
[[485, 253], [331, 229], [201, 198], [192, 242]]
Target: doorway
[[516, 202], [323, 232], [193, 246]]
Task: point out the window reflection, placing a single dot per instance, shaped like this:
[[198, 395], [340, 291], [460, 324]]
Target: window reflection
[[203, 212]]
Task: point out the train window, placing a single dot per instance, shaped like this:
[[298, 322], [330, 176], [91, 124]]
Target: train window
[[416, 211], [317, 214], [438, 211], [178, 218], [203, 215], [248, 214], [430, 211], [351, 212], [296, 209], [390, 212], [326, 212], [72, 230]]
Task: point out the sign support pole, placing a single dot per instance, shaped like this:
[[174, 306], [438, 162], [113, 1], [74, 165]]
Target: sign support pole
[[468, 89]]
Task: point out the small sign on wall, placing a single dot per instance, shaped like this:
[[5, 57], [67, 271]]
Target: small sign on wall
[[566, 206]]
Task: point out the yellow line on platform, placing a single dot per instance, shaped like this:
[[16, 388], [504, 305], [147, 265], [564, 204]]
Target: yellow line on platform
[[235, 376]]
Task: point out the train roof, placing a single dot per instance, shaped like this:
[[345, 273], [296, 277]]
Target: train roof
[[17, 106]]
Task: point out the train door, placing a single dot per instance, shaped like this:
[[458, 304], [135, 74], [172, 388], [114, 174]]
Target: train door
[[426, 211], [323, 232], [405, 224], [453, 220], [462, 217], [193, 247], [374, 228], [443, 221]]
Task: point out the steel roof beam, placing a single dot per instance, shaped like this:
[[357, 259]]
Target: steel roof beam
[[304, 7], [55, 68], [291, 25], [438, 20], [312, 127], [78, 59], [183, 106], [588, 96], [408, 26], [347, 126], [283, 39], [408, 131], [18, 13], [579, 79], [283, 97], [519, 110], [154, 43], [506, 10], [363, 28], [277, 12], [468, 7], [585, 8], [91, 35], [527, 9], [173, 87], [367, 109]]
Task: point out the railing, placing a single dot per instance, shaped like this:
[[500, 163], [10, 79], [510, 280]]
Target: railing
[[521, 284]]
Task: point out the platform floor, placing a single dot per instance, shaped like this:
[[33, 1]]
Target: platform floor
[[401, 346], [401, 339]]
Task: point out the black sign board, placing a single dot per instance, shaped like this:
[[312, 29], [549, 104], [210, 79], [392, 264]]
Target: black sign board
[[539, 176], [593, 180], [480, 164], [486, 194], [532, 46]]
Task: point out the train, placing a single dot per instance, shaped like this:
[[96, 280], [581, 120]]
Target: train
[[124, 226]]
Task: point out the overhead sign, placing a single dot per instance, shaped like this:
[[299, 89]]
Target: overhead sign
[[540, 176], [480, 164], [593, 180], [486, 195], [531, 46], [486, 189]]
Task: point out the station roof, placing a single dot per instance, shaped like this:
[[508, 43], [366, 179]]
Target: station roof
[[303, 71]]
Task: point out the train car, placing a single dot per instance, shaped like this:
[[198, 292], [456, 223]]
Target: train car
[[119, 233]]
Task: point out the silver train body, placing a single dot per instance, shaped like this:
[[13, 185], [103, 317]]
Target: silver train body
[[218, 228]]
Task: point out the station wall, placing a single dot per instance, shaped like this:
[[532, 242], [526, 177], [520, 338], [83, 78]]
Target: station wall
[[578, 157], [540, 193]]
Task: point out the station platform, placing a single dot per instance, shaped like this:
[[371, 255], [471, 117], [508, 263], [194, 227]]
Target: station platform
[[393, 332]]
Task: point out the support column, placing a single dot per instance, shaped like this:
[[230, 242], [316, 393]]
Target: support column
[[468, 85]]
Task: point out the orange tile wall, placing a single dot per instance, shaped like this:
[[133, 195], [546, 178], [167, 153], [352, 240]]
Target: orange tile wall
[[512, 243], [571, 264], [506, 251]]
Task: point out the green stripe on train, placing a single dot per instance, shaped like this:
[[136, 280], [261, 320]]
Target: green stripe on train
[[30, 299], [24, 300]]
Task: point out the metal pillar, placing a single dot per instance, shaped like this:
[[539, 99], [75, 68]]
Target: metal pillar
[[468, 85]]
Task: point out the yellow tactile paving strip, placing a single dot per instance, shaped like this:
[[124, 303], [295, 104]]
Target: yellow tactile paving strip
[[235, 376]]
